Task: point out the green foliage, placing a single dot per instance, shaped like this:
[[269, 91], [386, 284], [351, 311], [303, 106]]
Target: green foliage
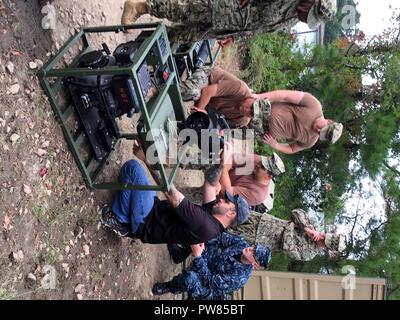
[[279, 262], [380, 128], [285, 182], [288, 195], [270, 64], [383, 258], [391, 87], [5, 295]]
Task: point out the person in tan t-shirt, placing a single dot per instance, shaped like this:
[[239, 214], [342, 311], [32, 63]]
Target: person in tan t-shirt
[[295, 116], [250, 183], [221, 90]]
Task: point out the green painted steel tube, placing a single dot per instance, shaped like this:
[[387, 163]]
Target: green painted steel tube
[[50, 65]]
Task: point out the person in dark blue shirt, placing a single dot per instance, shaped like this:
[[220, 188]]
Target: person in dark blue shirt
[[140, 214], [222, 265]]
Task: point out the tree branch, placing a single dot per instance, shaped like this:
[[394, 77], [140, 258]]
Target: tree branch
[[391, 168]]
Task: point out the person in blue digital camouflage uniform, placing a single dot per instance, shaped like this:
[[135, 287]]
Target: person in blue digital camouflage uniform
[[222, 265]]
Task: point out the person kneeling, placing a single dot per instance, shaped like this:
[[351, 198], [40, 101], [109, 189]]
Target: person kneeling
[[221, 266]]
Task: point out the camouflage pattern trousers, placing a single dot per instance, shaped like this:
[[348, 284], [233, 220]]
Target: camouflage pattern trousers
[[183, 11], [256, 125], [192, 86], [195, 20], [192, 18]]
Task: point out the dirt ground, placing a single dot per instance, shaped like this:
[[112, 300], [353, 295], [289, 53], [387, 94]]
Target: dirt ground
[[52, 244]]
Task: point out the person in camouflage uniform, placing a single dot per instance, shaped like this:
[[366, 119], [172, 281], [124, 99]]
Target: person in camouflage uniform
[[245, 106], [224, 266], [297, 238], [196, 20]]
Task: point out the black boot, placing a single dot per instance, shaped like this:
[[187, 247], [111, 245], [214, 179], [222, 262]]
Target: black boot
[[160, 288], [178, 253]]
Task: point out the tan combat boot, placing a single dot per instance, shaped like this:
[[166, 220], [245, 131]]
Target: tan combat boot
[[132, 11], [141, 8], [129, 13]]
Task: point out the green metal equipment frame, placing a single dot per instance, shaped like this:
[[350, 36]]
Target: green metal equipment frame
[[166, 106]]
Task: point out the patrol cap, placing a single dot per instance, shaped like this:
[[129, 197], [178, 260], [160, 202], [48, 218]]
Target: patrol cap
[[242, 207], [321, 11], [331, 132], [273, 164], [262, 255]]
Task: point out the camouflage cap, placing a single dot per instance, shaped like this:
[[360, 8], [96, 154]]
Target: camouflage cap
[[331, 132], [335, 242], [242, 207], [321, 11], [273, 164], [262, 254], [261, 112]]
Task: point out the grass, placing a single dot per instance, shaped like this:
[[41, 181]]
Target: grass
[[6, 295], [92, 217], [96, 276], [38, 212], [55, 217], [59, 216], [51, 256], [229, 59]]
